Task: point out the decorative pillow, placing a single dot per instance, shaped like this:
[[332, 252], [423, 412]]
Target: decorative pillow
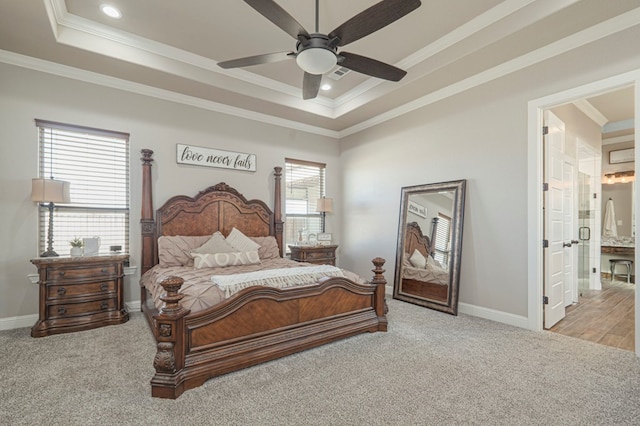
[[216, 244], [241, 242], [220, 260], [418, 260], [268, 247], [175, 250], [434, 263]]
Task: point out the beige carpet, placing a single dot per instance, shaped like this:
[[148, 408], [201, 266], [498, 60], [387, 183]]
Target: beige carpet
[[430, 368]]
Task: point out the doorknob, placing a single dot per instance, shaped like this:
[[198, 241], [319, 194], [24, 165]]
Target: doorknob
[[566, 244]]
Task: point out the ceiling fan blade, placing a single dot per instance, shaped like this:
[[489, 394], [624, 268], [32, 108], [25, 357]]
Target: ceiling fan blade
[[311, 85], [257, 60], [372, 19], [371, 67], [276, 14]]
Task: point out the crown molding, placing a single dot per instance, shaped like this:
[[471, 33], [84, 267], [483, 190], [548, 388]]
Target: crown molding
[[611, 26], [596, 32], [40, 65]]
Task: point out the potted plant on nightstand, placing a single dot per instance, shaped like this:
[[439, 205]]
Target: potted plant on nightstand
[[76, 246]]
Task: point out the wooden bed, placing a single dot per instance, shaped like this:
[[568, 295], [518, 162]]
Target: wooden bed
[[416, 240], [255, 325]]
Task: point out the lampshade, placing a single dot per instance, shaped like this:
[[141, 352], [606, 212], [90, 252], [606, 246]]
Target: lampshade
[[316, 60], [324, 205], [50, 191]]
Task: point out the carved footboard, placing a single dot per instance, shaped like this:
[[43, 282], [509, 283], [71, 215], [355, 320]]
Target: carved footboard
[[256, 325]]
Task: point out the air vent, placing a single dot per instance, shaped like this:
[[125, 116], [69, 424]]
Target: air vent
[[338, 73]]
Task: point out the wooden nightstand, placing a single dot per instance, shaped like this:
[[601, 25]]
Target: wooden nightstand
[[79, 293], [321, 255]]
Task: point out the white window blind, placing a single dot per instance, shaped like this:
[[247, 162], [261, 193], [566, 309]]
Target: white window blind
[[96, 163], [442, 247], [305, 184]]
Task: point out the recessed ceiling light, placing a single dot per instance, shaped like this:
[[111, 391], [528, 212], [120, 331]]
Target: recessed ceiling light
[[111, 11], [326, 87]]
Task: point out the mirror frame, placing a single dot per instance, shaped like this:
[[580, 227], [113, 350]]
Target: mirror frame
[[459, 189]]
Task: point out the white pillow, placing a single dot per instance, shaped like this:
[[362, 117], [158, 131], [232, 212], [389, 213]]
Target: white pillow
[[241, 242], [418, 260], [216, 244], [220, 260]]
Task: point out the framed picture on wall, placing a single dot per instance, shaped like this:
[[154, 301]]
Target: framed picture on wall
[[622, 156]]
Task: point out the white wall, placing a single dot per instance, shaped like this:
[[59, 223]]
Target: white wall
[[479, 135], [152, 123]]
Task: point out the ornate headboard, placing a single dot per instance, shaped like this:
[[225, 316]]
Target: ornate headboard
[[217, 208], [415, 240]]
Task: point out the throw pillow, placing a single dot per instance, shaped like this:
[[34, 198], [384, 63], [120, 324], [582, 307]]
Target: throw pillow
[[220, 260], [418, 260], [216, 244], [241, 242]]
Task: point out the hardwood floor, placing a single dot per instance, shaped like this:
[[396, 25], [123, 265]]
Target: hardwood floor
[[603, 316]]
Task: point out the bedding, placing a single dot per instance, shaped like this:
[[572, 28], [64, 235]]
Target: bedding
[[198, 289]]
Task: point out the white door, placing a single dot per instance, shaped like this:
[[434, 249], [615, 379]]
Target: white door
[[554, 229], [570, 228]]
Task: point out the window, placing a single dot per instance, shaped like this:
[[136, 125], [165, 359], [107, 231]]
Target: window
[[96, 163], [442, 244], [305, 183]]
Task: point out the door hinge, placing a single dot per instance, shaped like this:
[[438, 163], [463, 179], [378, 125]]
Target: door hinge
[[595, 196], [594, 270], [545, 243], [545, 300], [545, 130], [545, 186]]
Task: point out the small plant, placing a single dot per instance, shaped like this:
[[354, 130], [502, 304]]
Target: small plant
[[76, 242]]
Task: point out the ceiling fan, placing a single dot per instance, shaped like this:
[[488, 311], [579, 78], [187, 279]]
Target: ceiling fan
[[317, 53]]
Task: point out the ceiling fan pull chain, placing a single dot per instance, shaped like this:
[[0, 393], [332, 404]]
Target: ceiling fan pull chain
[[317, 16]]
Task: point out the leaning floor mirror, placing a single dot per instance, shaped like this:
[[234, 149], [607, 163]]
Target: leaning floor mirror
[[430, 244]]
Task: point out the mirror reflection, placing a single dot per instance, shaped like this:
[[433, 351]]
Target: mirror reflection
[[429, 245]]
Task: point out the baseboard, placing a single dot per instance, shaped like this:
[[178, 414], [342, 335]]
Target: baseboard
[[133, 306], [493, 315], [22, 321]]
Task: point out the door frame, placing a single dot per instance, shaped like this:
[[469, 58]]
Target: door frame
[[535, 162]]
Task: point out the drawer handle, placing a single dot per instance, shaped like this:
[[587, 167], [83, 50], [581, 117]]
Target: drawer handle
[[104, 286], [104, 270], [62, 310], [61, 273], [62, 291], [104, 305]]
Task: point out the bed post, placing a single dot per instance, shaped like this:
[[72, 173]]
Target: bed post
[[277, 209], [147, 224], [381, 301], [168, 381]]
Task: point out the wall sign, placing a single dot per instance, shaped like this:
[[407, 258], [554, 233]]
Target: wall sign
[[622, 156], [417, 209], [200, 156]]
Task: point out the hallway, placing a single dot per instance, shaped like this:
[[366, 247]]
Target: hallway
[[602, 316]]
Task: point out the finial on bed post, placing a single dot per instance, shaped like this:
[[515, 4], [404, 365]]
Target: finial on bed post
[[381, 301], [277, 209], [147, 224]]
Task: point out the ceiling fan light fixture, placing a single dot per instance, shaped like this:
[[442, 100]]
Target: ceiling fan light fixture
[[316, 60]]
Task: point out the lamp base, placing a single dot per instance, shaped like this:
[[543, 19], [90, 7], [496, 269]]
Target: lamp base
[[49, 253]]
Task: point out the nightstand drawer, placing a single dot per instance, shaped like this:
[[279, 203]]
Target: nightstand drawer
[[71, 273], [318, 254], [77, 309], [75, 290]]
